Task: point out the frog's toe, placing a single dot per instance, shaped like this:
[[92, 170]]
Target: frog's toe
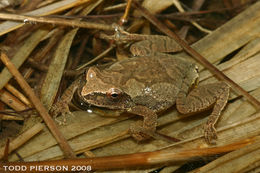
[[210, 134], [61, 108], [138, 133], [60, 122], [64, 117]]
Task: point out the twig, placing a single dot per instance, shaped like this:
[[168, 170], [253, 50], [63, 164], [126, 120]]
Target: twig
[[196, 55], [115, 7], [22, 138], [96, 58], [55, 21], [9, 117], [57, 34], [248, 155], [130, 160], [18, 94], [40, 108], [6, 150], [12, 101], [23, 53], [124, 18], [179, 7], [195, 7], [44, 68]]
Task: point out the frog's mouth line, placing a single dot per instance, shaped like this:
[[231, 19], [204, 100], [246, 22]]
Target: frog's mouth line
[[102, 111], [82, 104], [93, 107], [103, 100]]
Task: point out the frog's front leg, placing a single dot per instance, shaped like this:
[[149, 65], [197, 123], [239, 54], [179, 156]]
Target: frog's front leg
[[149, 122], [62, 105], [202, 98]]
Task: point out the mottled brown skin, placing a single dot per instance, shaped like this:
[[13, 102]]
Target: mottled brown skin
[[147, 84]]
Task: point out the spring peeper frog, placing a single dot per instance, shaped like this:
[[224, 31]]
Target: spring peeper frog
[[147, 84]]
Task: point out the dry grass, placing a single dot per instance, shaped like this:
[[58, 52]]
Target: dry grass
[[55, 46]]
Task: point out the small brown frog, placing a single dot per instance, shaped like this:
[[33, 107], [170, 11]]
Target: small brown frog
[[146, 85]]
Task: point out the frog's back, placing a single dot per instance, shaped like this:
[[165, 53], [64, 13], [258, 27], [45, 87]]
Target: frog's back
[[151, 69], [150, 81]]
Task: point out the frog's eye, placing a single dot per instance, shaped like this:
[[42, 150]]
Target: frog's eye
[[114, 93]]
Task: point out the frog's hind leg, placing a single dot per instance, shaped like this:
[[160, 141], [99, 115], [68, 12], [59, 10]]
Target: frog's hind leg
[[203, 98]]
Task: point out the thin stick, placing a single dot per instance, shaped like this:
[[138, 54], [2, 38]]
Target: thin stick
[[12, 101], [22, 138], [179, 7], [18, 94], [196, 55], [68, 152], [129, 160], [55, 21], [9, 117], [123, 19], [96, 58], [6, 150]]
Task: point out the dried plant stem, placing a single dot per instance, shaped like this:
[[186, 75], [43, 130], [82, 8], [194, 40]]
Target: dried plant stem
[[9, 117], [57, 34], [97, 58], [18, 94], [179, 7], [6, 150], [196, 55], [89, 154], [22, 138], [12, 101], [40, 108], [55, 21], [123, 19], [249, 153], [184, 29], [134, 160], [22, 54], [115, 7], [44, 68]]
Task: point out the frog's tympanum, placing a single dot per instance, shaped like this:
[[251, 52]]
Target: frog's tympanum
[[147, 84]]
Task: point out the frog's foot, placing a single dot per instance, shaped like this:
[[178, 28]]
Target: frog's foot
[[210, 133], [138, 132], [61, 108]]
